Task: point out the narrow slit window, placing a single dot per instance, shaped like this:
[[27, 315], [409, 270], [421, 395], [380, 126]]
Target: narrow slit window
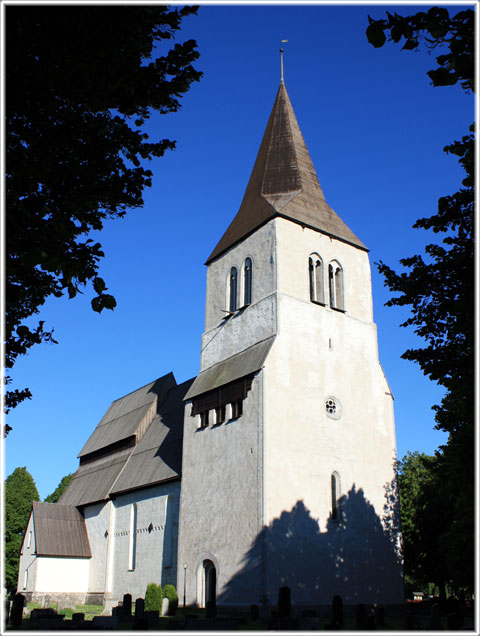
[[133, 537], [233, 289], [335, 494], [247, 296]]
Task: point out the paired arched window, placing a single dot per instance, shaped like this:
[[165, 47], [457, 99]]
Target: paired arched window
[[232, 305], [335, 496], [335, 282], [240, 287], [315, 273], [335, 285]]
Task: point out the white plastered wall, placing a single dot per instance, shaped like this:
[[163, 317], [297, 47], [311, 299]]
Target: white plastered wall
[[28, 560], [321, 353], [97, 521], [60, 574], [155, 531]]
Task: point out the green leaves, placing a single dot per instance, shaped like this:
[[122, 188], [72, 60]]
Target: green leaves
[[103, 301], [440, 291], [79, 92], [375, 34], [436, 28], [20, 491]]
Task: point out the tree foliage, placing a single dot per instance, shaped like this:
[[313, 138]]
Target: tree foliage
[[57, 493], [80, 83], [153, 597], [439, 288], [20, 491], [420, 517], [433, 28]]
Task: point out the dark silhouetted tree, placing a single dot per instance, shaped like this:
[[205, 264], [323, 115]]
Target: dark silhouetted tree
[[440, 289], [57, 493], [20, 491], [80, 83]]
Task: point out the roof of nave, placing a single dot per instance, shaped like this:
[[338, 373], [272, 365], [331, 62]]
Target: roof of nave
[[283, 183], [142, 444], [126, 415], [60, 531]]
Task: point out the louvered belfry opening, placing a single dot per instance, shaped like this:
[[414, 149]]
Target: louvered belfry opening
[[231, 393]]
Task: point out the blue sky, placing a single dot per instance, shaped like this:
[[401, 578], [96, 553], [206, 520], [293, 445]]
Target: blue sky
[[375, 128]]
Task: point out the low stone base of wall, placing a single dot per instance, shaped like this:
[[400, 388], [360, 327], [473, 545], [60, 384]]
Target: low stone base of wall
[[64, 599]]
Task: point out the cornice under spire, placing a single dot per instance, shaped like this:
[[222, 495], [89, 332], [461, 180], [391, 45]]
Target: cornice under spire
[[283, 183]]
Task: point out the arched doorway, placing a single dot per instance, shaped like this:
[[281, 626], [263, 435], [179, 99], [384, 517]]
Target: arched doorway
[[208, 587]]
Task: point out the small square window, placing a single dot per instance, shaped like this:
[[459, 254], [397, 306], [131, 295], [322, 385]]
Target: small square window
[[203, 419], [237, 408], [220, 414]]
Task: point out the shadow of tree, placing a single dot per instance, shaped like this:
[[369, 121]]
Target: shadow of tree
[[356, 557]]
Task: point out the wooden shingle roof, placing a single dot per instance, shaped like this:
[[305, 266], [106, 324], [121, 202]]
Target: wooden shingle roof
[[283, 183], [137, 443], [60, 531]]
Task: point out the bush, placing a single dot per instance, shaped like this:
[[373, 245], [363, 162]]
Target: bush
[[170, 592], [153, 598]]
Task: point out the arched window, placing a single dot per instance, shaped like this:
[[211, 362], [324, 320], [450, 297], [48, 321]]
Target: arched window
[[315, 272], [247, 281], [335, 494], [233, 290], [335, 285]]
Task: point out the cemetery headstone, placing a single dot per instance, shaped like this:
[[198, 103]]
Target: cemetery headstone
[[127, 605], [139, 608], [284, 603], [254, 612], [337, 611], [361, 616], [165, 605], [435, 616], [16, 612], [211, 609], [380, 615]]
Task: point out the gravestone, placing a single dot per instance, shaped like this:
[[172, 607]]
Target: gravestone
[[435, 616], [127, 605], [284, 603], [337, 612], [211, 609], [16, 612], [105, 622], [411, 621], [139, 608], [361, 616], [380, 615], [78, 617], [141, 624], [165, 605]]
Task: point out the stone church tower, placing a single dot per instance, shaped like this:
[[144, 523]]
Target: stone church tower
[[289, 439]]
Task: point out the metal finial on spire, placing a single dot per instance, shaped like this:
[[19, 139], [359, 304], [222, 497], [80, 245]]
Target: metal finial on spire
[[281, 60]]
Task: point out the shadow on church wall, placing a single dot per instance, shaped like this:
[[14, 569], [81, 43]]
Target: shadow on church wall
[[357, 556]]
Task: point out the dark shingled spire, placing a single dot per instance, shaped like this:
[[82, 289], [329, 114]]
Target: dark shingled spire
[[283, 183]]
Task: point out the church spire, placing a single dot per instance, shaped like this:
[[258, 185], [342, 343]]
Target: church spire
[[283, 183]]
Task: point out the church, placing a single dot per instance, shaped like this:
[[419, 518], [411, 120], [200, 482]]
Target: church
[[275, 465]]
